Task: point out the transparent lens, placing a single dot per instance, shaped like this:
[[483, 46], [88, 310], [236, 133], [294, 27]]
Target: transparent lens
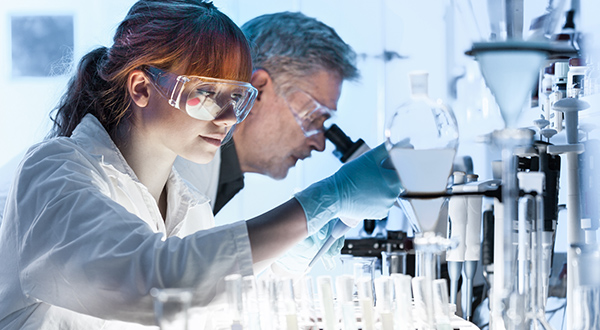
[[202, 105], [210, 101], [204, 98], [310, 114], [314, 121], [301, 104]]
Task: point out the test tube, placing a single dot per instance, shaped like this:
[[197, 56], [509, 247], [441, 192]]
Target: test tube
[[267, 297], [288, 303], [404, 307], [421, 287], [365, 300], [251, 303], [441, 304], [384, 291], [325, 289], [344, 285], [305, 297], [233, 289]]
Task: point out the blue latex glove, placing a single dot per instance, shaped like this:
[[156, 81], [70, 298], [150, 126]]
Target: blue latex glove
[[296, 259], [361, 189]]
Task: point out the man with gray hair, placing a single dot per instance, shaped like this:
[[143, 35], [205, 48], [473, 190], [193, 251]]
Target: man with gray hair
[[299, 67]]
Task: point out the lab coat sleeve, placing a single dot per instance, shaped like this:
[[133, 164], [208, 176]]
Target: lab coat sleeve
[[7, 173], [80, 250]]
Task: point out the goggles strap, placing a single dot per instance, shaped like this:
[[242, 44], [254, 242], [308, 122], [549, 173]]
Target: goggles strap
[[177, 90]]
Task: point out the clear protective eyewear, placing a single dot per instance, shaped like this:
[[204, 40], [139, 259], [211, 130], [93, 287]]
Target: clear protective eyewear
[[204, 98], [308, 112]]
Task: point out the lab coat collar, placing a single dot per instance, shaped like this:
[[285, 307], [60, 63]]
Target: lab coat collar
[[92, 137]]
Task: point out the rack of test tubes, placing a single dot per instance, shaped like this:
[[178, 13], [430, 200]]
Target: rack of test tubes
[[345, 302]]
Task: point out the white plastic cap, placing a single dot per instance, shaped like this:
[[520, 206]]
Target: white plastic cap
[[459, 177], [418, 82], [561, 69]]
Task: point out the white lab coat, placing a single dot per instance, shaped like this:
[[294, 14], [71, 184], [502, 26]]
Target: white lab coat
[[83, 241], [204, 177], [7, 174]]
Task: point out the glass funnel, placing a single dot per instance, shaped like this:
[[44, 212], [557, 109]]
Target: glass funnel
[[510, 69], [422, 138]]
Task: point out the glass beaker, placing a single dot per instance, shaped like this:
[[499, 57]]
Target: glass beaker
[[393, 262], [358, 267], [171, 308]]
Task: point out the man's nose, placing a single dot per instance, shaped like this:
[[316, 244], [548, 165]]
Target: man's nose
[[317, 141]]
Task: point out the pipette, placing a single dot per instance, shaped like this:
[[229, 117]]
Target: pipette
[[465, 218], [339, 229], [457, 211], [346, 150]]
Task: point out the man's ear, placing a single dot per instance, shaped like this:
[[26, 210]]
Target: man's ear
[[261, 80], [138, 86]]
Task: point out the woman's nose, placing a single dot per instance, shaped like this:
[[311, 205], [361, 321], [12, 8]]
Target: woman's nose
[[227, 117]]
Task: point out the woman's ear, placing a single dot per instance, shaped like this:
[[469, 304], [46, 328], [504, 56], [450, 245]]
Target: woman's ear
[[138, 86]]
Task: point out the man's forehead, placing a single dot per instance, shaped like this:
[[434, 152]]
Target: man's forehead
[[324, 87]]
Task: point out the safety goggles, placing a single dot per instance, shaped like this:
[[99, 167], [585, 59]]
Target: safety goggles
[[309, 114], [204, 98]]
